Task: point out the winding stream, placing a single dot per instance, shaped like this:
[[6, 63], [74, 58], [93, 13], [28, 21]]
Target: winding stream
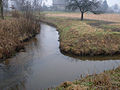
[[43, 65]]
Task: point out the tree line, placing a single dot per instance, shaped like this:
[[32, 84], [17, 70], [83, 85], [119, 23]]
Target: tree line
[[20, 5], [94, 6]]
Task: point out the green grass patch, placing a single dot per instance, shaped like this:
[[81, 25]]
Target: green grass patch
[[81, 38]]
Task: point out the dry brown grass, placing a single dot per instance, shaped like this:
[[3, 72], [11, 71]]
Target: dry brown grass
[[81, 39], [104, 17], [108, 80], [13, 32]]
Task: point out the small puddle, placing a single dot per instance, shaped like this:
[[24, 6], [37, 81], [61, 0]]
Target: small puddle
[[43, 65]]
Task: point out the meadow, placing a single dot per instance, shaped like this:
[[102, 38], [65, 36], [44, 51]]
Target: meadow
[[88, 37], [103, 17]]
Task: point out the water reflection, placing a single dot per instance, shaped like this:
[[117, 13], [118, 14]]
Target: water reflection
[[94, 58], [43, 65]]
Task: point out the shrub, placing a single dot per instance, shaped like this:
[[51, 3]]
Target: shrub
[[13, 32]]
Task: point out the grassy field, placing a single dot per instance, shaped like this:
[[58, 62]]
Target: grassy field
[[88, 37], [103, 17]]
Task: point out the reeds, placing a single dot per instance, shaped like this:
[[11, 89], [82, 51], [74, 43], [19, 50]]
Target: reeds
[[13, 32]]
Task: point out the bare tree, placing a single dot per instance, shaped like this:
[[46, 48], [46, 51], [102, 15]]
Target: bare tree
[[116, 8], [1, 9], [19, 4], [83, 5], [5, 4], [105, 6], [36, 5]]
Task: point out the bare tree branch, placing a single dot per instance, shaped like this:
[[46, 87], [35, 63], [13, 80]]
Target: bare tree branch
[[83, 6]]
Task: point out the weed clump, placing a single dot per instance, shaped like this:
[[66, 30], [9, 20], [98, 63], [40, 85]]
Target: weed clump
[[13, 32]]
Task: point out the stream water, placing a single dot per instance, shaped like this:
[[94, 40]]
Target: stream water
[[42, 65]]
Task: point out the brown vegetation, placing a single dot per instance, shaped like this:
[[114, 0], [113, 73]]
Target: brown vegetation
[[13, 32], [104, 17], [108, 80], [81, 39]]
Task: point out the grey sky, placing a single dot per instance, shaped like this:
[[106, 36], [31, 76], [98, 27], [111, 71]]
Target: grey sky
[[110, 2]]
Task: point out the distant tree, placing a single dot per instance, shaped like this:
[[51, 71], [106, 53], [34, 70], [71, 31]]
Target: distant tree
[[105, 6], [27, 6], [5, 4], [116, 8], [83, 5], [44, 7], [1, 9], [37, 5], [19, 4]]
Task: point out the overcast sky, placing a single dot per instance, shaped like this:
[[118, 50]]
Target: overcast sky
[[110, 2]]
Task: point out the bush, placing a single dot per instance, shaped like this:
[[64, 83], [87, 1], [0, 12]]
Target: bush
[[13, 32]]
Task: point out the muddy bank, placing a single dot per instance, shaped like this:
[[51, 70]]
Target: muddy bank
[[13, 33], [81, 39]]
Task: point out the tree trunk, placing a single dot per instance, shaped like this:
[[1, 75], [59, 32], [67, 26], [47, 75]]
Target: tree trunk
[[82, 16], [1, 9]]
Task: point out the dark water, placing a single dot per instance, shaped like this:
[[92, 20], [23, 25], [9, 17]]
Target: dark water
[[43, 65]]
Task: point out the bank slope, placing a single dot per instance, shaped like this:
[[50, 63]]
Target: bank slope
[[13, 32], [79, 38]]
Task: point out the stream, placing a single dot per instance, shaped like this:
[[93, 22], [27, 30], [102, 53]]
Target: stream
[[42, 65]]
